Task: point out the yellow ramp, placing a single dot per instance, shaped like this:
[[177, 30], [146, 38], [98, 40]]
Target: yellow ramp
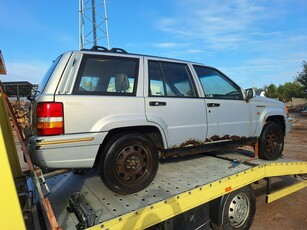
[[10, 212]]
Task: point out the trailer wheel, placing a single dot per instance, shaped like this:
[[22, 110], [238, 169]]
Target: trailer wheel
[[238, 210], [130, 163], [271, 142]]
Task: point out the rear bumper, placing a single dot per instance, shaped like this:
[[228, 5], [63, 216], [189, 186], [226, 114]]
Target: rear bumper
[[65, 151]]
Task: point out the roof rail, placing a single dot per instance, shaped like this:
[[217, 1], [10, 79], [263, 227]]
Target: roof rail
[[96, 48], [104, 49], [118, 50], [100, 48]]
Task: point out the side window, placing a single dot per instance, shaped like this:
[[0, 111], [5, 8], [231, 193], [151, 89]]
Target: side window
[[170, 80], [156, 85], [216, 85], [45, 79], [105, 75]]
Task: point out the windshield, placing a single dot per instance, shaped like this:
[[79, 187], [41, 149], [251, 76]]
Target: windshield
[[45, 79]]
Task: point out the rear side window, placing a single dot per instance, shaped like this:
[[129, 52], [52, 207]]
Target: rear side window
[[168, 79], [45, 79], [104, 75]]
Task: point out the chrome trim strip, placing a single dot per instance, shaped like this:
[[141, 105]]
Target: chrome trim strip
[[41, 143]]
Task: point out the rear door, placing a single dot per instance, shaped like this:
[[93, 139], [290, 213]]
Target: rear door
[[173, 103], [104, 95], [229, 115]]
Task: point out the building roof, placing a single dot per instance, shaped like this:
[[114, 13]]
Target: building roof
[[18, 88], [2, 65]]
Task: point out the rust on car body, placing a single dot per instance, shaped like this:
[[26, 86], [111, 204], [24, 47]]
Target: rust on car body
[[225, 137], [215, 143], [190, 143]]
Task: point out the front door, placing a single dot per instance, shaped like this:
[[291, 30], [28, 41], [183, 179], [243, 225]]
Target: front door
[[229, 116]]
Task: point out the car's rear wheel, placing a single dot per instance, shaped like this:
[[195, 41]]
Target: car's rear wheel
[[271, 142], [130, 163]]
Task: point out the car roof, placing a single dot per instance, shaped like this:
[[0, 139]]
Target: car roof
[[120, 52]]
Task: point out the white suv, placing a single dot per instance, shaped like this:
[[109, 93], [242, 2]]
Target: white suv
[[124, 111]]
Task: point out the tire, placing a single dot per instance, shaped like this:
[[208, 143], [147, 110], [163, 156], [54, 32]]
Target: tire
[[130, 163], [238, 210], [271, 142]]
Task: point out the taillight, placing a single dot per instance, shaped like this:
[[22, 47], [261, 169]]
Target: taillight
[[50, 119]]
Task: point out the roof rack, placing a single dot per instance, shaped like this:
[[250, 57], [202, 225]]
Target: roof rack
[[104, 49], [118, 50]]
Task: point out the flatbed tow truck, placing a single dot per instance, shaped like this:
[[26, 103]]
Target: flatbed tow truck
[[187, 193]]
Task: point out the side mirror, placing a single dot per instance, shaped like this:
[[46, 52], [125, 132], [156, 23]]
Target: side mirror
[[249, 94]]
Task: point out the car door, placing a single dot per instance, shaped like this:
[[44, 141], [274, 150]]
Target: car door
[[229, 116], [173, 103]]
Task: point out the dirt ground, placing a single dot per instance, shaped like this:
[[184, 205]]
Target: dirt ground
[[289, 212]]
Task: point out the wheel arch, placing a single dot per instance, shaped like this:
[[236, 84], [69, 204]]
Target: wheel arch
[[216, 209], [217, 206], [278, 119], [152, 132]]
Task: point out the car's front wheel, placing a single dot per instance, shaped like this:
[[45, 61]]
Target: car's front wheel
[[271, 142], [130, 163]]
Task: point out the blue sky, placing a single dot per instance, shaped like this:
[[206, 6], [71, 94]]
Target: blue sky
[[256, 43]]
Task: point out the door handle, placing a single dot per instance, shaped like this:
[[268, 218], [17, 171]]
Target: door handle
[[157, 103], [213, 104]]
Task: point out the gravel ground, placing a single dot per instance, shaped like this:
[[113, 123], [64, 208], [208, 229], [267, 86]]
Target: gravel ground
[[289, 212]]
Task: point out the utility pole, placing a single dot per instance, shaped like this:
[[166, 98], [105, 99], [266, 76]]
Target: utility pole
[[93, 23]]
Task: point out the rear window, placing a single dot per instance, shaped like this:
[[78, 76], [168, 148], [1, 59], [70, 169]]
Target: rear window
[[45, 79], [105, 75]]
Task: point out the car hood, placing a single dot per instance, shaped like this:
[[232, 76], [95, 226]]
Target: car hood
[[268, 101]]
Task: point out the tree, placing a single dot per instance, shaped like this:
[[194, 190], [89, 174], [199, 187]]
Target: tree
[[289, 90], [285, 92], [271, 91], [302, 76]]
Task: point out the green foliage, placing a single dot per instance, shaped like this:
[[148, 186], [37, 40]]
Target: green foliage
[[271, 91], [302, 76], [289, 89], [285, 92]]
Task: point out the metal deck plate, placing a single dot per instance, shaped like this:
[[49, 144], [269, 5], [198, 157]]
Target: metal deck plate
[[174, 176]]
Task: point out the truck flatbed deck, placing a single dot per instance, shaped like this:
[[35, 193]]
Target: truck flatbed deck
[[181, 184], [184, 187]]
